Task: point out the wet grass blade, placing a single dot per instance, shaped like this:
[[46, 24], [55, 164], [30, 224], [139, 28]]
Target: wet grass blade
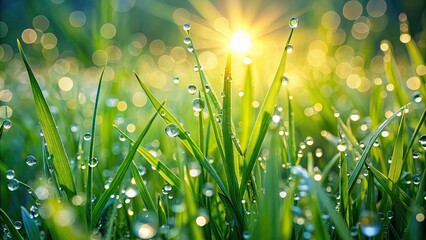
[[287, 214], [187, 141], [397, 156], [30, 225], [247, 109], [6, 220], [119, 176], [344, 192], [414, 136], [358, 167], [53, 140], [341, 228], [262, 121], [162, 168], [144, 193], [91, 155]]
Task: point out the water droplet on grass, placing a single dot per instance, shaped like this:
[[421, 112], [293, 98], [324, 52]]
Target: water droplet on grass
[[208, 189], [417, 97], [146, 225], [198, 104], [187, 40], [30, 160], [10, 174], [422, 141], [341, 146], [369, 224], [218, 118], [389, 214], [194, 169], [93, 162], [318, 152], [17, 225], [190, 49], [176, 80], [284, 81], [294, 22], [13, 184], [354, 231], [309, 140], [186, 27], [192, 89], [416, 179], [289, 48], [87, 137], [172, 130], [7, 124]]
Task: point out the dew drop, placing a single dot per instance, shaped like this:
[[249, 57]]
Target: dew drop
[[192, 89], [196, 68], [167, 188], [34, 211], [131, 192], [369, 224], [13, 184], [318, 152], [294, 22], [10, 174], [422, 141], [218, 118], [389, 214], [190, 49], [309, 140], [187, 40], [194, 169], [341, 146], [416, 154], [354, 231], [289, 48], [146, 225], [417, 97], [172, 130], [284, 81], [208, 189], [175, 79], [121, 138], [198, 104], [87, 137], [7, 124], [17, 225], [93, 162], [416, 179], [186, 27], [30, 160]]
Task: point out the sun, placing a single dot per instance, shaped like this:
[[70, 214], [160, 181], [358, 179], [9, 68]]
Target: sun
[[241, 42]]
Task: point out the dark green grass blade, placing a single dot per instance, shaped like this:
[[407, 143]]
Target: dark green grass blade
[[119, 176], [262, 121], [1, 129], [187, 141], [320, 229], [6, 220], [53, 140], [414, 136], [162, 168], [30, 225], [355, 173], [341, 228], [397, 156], [91, 155], [144, 193]]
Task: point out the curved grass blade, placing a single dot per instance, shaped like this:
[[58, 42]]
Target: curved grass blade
[[162, 169], [6, 220], [187, 141], [91, 155], [418, 60], [360, 163], [397, 156], [262, 121], [30, 225], [414, 136], [119, 176], [146, 197], [53, 140], [247, 109]]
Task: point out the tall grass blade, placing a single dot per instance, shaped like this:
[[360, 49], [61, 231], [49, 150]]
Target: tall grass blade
[[53, 140], [144, 193], [418, 60], [246, 108], [344, 192], [91, 155], [119, 176], [414, 136], [262, 121], [30, 225], [13, 231], [358, 167], [397, 156], [287, 214], [165, 172], [187, 141]]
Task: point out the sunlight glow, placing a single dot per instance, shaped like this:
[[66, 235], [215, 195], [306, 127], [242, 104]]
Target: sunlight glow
[[241, 42]]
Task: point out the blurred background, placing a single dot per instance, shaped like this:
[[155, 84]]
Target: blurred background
[[335, 62]]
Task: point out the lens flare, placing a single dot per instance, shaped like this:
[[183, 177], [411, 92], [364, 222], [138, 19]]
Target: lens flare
[[241, 42]]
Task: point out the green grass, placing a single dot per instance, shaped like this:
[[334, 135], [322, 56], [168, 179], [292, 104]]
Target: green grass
[[245, 176]]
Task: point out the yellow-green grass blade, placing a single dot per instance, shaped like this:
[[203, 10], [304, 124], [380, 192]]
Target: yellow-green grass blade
[[343, 186], [414, 137], [327, 169], [391, 75], [414, 226], [417, 60], [51, 134], [287, 214], [119, 176], [187, 141], [89, 188], [246, 108], [355, 173], [30, 225], [144, 193], [320, 229], [262, 121], [341, 228], [349, 136], [291, 152], [397, 156], [167, 174], [6, 220]]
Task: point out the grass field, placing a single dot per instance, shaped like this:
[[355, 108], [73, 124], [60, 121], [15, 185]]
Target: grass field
[[212, 120]]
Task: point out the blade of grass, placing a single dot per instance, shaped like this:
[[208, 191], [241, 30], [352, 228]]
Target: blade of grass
[[341, 228], [397, 156], [91, 155], [30, 225], [418, 60], [187, 141], [144, 193], [6, 220], [287, 214], [53, 140], [262, 121], [355, 173], [343, 186], [162, 169], [119, 176], [291, 138], [246, 108], [414, 136]]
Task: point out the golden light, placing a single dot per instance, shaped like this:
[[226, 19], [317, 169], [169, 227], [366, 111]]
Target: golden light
[[241, 41]]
